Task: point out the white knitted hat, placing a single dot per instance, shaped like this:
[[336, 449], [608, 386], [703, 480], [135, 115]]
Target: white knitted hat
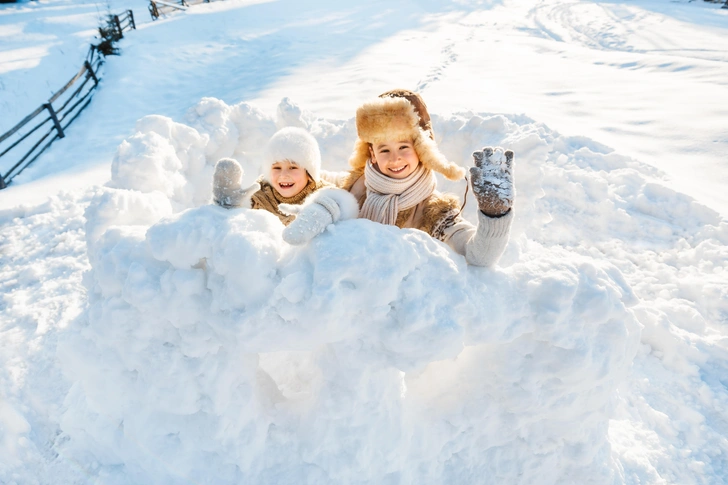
[[295, 145]]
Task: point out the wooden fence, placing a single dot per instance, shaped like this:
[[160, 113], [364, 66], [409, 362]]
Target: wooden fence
[[124, 22], [36, 132], [158, 8]]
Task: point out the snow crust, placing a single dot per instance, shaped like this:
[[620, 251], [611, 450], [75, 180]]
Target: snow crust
[[214, 352]]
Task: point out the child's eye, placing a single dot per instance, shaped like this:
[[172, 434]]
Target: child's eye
[[293, 167], [404, 147], [384, 150]]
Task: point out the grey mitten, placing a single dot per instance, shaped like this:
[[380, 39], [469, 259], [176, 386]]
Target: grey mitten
[[320, 209], [492, 180], [226, 189]]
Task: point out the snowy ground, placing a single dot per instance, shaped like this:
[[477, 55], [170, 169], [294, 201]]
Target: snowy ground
[[111, 345]]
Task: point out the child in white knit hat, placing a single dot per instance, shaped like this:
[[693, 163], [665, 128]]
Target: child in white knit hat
[[290, 182], [393, 179]]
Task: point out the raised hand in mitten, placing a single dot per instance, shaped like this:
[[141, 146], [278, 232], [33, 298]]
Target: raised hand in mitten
[[320, 209], [226, 189], [492, 180]]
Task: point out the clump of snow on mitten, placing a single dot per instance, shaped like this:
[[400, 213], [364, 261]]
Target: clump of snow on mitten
[[492, 180]]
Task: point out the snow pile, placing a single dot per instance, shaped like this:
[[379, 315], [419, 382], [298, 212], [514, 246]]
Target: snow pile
[[213, 352], [178, 160], [42, 261]]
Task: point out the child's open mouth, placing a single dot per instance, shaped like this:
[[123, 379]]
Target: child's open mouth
[[398, 170], [285, 185]]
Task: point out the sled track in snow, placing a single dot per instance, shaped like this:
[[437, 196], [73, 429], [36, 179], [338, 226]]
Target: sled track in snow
[[614, 27]]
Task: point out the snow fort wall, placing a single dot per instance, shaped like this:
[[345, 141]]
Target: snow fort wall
[[213, 352]]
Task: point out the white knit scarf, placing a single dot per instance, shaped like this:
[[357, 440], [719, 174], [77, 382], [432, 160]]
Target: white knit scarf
[[387, 196]]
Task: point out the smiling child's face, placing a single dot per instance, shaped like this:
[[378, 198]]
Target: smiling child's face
[[395, 159], [287, 178]]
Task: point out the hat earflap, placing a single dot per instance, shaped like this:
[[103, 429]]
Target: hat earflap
[[432, 158], [358, 159]]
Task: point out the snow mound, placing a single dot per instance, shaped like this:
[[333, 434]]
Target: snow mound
[[213, 352]]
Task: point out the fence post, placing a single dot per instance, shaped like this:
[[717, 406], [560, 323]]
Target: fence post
[[131, 17], [55, 119], [153, 10], [2, 182], [91, 72], [118, 26]]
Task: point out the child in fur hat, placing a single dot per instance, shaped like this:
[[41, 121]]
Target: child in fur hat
[[292, 182], [393, 180]]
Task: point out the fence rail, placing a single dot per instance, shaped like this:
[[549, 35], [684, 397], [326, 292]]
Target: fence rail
[[125, 21], [29, 142]]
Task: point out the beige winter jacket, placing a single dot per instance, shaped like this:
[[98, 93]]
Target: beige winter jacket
[[267, 198], [439, 216]]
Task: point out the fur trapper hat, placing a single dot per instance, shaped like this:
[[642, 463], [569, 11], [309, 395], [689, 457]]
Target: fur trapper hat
[[400, 115], [295, 145]]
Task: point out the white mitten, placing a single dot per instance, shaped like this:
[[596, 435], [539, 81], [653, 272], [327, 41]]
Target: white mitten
[[226, 190], [320, 209]]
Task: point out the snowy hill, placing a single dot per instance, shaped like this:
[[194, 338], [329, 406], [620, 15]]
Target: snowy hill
[[149, 337]]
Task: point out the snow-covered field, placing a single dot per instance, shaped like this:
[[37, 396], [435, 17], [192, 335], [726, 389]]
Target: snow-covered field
[[148, 337]]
